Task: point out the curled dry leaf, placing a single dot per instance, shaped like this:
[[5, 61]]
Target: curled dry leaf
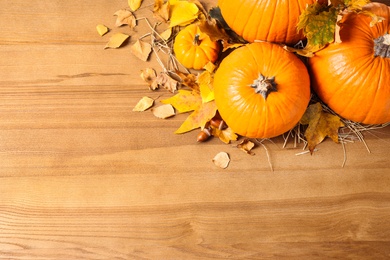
[[246, 145], [161, 10], [189, 80], [141, 50], [164, 111], [225, 135], [149, 76], [144, 104], [116, 40], [221, 160], [165, 81], [134, 4], [124, 16], [101, 29]]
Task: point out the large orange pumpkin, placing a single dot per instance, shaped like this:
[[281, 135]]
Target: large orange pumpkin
[[353, 77], [261, 90], [265, 20]]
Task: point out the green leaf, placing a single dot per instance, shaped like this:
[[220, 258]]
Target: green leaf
[[318, 23]]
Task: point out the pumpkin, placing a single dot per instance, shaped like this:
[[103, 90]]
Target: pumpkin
[[353, 77], [194, 49], [261, 90], [265, 20]]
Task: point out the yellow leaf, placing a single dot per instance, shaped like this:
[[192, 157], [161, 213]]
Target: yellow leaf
[[205, 86], [198, 118], [101, 29], [221, 160], [134, 4], [184, 101], [165, 35], [225, 135], [141, 50], [116, 40], [143, 104], [320, 125], [182, 12], [210, 67], [163, 111]]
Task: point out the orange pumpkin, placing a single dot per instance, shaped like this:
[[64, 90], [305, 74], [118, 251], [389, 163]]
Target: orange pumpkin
[[261, 90], [194, 49], [353, 77], [265, 20]]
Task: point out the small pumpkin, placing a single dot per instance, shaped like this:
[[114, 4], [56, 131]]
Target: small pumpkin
[[265, 20], [194, 49], [261, 90], [353, 77]]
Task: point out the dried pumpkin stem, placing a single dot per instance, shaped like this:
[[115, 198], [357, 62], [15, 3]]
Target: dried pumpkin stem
[[197, 40], [264, 85], [382, 46]]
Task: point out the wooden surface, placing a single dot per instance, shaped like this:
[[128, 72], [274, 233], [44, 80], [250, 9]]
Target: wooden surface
[[82, 176]]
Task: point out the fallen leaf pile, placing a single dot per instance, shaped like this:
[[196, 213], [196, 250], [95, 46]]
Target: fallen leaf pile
[[192, 91]]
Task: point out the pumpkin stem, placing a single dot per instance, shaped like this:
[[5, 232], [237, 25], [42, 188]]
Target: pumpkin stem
[[197, 40], [264, 85], [382, 46]]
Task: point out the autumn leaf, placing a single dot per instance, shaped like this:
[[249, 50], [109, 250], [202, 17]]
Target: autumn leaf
[[134, 4], [182, 12], [225, 135], [125, 17], [211, 28], [221, 160], [165, 35], [320, 125], [205, 87], [101, 29], [161, 10], [184, 101], [165, 81], [164, 111], [116, 40], [318, 23], [149, 76], [144, 104], [246, 145], [189, 80], [198, 118], [141, 50]]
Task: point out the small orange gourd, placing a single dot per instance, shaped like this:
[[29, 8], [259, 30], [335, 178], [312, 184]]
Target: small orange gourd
[[265, 20], [353, 77], [194, 49], [261, 90]]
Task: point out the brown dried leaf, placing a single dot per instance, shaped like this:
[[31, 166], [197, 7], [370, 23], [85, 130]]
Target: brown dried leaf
[[141, 50], [211, 28], [221, 160], [144, 104], [225, 135], [116, 40], [125, 17], [246, 145], [149, 76], [165, 81], [164, 111], [189, 80], [320, 125], [161, 10]]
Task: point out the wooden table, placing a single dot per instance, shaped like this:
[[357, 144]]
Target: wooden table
[[82, 176]]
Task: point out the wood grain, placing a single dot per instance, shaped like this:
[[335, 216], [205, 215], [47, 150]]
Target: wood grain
[[82, 176]]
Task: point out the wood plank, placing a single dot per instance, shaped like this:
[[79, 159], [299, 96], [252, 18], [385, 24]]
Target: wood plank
[[82, 176]]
